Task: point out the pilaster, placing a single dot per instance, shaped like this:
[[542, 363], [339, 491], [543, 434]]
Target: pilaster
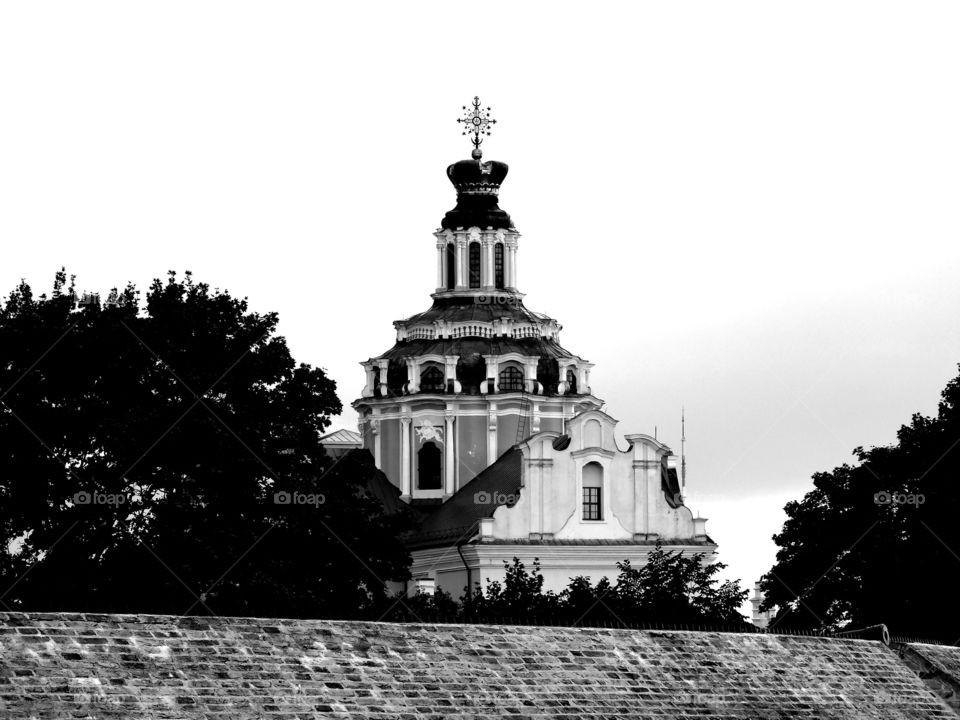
[[375, 431], [405, 458], [492, 444], [441, 249], [449, 452]]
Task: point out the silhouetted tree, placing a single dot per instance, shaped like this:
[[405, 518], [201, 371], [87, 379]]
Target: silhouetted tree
[[166, 459], [519, 597], [671, 588], [878, 541]]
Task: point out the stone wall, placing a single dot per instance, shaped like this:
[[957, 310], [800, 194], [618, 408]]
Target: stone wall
[[56, 666]]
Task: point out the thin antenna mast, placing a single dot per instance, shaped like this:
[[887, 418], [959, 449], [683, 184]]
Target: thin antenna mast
[[683, 450]]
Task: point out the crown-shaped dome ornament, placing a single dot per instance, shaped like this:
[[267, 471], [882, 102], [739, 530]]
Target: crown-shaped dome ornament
[[477, 183]]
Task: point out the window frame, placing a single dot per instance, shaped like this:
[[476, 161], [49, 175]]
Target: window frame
[[592, 503], [510, 379], [451, 266], [439, 386], [475, 255], [498, 267]]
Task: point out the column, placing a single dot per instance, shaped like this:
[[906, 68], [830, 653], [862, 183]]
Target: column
[[487, 279], [405, 458], [371, 380], [450, 372], [413, 376], [493, 371], [530, 375], [449, 453], [492, 443], [441, 281], [384, 364], [511, 264], [461, 261]]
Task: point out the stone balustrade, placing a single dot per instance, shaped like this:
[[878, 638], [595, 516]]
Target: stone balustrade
[[503, 327]]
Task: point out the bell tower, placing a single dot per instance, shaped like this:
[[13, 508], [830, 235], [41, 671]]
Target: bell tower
[[477, 372]]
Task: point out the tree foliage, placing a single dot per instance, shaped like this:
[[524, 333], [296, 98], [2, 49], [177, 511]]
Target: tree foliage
[[671, 588], [877, 541], [142, 449]]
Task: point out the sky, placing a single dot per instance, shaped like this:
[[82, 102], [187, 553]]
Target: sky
[[745, 209]]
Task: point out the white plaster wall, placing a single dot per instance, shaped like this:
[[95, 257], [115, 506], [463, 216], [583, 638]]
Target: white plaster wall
[[550, 502]]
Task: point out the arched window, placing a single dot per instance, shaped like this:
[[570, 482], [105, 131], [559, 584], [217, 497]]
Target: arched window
[[593, 491], [474, 264], [396, 378], [511, 379], [548, 375], [431, 380], [498, 265], [571, 382], [428, 467], [451, 266]]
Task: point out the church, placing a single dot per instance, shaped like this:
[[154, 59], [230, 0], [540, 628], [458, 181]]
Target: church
[[488, 427]]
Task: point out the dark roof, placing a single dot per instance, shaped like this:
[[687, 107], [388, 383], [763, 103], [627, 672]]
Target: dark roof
[[146, 667], [457, 518], [477, 186], [671, 487], [470, 309], [359, 464], [477, 346]]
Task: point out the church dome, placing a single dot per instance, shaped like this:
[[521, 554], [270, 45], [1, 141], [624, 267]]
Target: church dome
[[478, 185]]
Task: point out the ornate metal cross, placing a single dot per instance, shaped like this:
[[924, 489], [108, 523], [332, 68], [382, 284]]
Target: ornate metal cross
[[476, 121]]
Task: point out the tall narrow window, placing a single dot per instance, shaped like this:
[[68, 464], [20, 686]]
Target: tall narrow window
[[511, 379], [592, 491], [451, 266], [571, 383], [498, 265], [474, 264], [428, 467]]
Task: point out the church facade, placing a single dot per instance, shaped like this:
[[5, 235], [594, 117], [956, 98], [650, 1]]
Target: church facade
[[488, 426]]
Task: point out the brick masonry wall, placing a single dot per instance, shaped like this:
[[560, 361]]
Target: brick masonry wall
[[99, 667]]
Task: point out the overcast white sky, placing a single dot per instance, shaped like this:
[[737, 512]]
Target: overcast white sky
[[749, 208]]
